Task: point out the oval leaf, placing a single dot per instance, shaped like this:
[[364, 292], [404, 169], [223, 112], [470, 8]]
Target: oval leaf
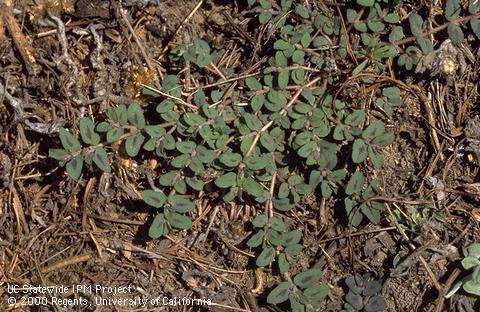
[[279, 294], [154, 198], [100, 159], [74, 167], [307, 278], [87, 131], [179, 221], [133, 144], [180, 204], [69, 141], [266, 256]]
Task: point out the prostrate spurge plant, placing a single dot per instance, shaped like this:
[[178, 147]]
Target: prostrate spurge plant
[[274, 137], [363, 294], [471, 263]]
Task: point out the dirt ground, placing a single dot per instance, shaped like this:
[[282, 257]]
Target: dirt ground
[[55, 231]]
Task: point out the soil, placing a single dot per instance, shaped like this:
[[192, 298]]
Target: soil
[[54, 231]]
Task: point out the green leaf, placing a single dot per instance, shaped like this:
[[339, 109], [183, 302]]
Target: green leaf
[[185, 147], [416, 24], [361, 26], [264, 17], [352, 285], [376, 26], [384, 139], [103, 126], [337, 175], [155, 131], [298, 57], [279, 294], [282, 204], [135, 115], [256, 239], [100, 159], [193, 119], [69, 142], [204, 154], [180, 204], [306, 40], [281, 45], [355, 184], [371, 212], [180, 161], [165, 106], [227, 180], [355, 118], [194, 183], [302, 11], [256, 162], [298, 75], [425, 44], [366, 3], [475, 25], [360, 67], [252, 187], [375, 304], [87, 131], [292, 237], [307, 149], [253, 84], [359, 151], [351, 15], [375, 158], [195, 165], [471, 286], [179, 221], [266, 256], [154, 198], [260, 220], [252, 122], [356, 301], [474, 250], [180, 186], [58, 153], [203, 60], [391, 92], [283, 77], [277, 224], [391, 18], [168, 179], [283, 264], [455, 33], [267, 141], [230, 159], [121, 113], [257, 102], [308, 278], [470, 262], [133, 144], [452, 9], [280, 59], [158, 227], [473, 6], [316, 293], [396, 34], [265, 4], [376, 128], [114, 134], [74, 167], [293, 250]]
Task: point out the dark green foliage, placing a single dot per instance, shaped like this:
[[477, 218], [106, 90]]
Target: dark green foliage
[[278, 125], [363, 295]]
